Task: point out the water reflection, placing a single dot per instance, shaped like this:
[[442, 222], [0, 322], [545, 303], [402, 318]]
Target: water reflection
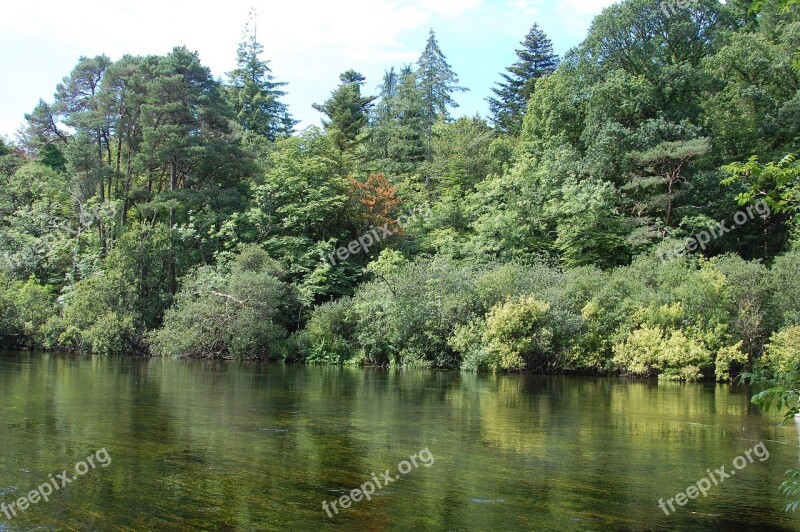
[[212, 445]]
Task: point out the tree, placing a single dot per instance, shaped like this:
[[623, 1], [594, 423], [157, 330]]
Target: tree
[[776, 182], [42, 128], [406, 146], [185, 118], [384, 114], [437, 82], [186, 130], [254, 95], [123, 93], [347, 111], [751, 107], [228, 312], [664, 167], [375, 201], [536, 60]]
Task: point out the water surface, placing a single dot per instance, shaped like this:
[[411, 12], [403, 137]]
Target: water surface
[[227, 445]]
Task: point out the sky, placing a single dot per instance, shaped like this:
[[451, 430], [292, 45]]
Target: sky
[[309, 43]]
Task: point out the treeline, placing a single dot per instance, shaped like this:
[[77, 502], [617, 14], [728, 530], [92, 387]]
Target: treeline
[[151, 208]]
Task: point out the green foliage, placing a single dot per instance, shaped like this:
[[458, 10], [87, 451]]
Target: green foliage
[[790, 488], [589, 228], [254, 95], [25, 308], [463, 155], [329, 334], [35, 305], [728, 360], [517, 335], [670, 355], [98, 316], [166, 174], [784, 299], [437, 83], [776, 182], [221, 313], [535, 60], [782, 354], [347, 111]]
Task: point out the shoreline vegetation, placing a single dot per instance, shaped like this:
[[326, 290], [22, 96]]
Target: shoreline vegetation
[[628, 209]]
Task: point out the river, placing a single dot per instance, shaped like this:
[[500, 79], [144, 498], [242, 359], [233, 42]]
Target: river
[[187, 444]]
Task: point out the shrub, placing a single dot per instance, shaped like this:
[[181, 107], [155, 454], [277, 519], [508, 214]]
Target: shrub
[[670, 355], [329, 334], [98, 316], [785, 295], [518, 336], [35, 306], [728, 358], [782, 353], [226, 314], [468, 341]]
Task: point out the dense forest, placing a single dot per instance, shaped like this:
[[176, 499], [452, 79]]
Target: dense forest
[[628, 208]]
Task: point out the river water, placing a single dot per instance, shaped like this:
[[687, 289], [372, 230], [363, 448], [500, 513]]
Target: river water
[[248, 446]]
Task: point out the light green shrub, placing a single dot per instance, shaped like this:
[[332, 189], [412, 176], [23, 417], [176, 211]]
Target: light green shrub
[[670, 355], [517, 335], [782, 353]]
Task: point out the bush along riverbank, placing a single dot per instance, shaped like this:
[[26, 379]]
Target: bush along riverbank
[[687, 319]]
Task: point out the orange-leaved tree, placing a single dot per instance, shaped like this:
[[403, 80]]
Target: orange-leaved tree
[[375, 202]]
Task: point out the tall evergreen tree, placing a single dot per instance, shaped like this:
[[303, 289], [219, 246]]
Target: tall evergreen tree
[[347, 111], [254, 94], [383, 116], [437, 82], [536, 60], [185, 132], [78, 103], [406, 144], [42, 128]]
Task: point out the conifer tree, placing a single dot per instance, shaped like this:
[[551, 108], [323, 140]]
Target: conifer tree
[[437, 82], [347, 111], [407, 146], [254, 94], [536, 60]]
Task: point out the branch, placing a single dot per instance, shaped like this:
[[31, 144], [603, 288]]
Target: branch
[[220, 294]]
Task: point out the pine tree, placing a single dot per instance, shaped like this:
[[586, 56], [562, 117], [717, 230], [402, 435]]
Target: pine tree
[[347, 111], [384, 115], [437, 82], [254, 94], [536, 60], [406, 145], [186, 131]]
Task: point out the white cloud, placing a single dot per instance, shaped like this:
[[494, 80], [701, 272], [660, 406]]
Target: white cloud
[[574, 15], [301, 28], [585, 7], [449, 8], [528, 7]]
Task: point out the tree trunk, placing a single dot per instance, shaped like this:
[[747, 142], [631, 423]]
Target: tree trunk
[[173, 185]]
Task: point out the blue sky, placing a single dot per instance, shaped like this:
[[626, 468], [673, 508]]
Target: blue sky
[[308, 42]]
